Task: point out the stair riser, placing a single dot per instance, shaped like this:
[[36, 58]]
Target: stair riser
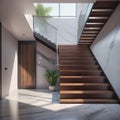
[[75, 61], [87, 96], [88, 102], [79, 63], [82, 80], [79, 67], [86, 87], [73, 55], [75, 52], [79, 48], [92, 25], [80, 73], [77, 58]]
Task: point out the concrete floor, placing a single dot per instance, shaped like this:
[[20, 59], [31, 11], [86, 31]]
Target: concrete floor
[[44, 105]]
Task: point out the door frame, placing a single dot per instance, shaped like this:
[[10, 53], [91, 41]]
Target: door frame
[[19, 60]]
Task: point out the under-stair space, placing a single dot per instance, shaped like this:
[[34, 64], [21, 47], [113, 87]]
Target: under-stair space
[[100, 13], [81, 78]]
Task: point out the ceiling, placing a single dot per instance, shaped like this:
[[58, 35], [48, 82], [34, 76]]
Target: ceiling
[[12, 15]]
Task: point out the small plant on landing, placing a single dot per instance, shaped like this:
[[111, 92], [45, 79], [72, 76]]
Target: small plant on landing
[[51, 77]]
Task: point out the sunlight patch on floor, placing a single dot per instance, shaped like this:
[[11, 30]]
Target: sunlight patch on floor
[[42, 98]]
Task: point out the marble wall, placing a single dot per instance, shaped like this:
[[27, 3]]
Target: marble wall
[[46, 59], [106, 49]]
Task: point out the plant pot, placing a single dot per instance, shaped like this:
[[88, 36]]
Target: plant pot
[[51, 88]]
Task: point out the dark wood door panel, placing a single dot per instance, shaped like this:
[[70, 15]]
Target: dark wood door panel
[[27, 65]]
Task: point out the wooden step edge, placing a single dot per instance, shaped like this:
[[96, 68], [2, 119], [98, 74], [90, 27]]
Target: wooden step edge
[[82, 77], [78, 62], [97, 17], [76, 56], [86, 92], [80, 65], [64, 60], [73, 55], [84, 84], [60, 54], [102, 10], [84, 43], [80, 70], [88, 101]]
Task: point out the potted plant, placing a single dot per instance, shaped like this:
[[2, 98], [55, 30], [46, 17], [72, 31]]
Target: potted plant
[[51, 76]]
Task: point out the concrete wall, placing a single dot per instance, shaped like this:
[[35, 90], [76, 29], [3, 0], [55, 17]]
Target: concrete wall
[[106, 49], [46, 59], [9, 63]]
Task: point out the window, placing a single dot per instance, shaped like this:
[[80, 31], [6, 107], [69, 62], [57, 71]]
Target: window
[[55, 8], [61, 9], [67, 10]]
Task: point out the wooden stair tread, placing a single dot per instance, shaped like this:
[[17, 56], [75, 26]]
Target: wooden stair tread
[[86, 92], [82, 76], [89, 100], [73, 52], [84, 84], [79, 65], [80, 70], [76, 57], [102, 10]]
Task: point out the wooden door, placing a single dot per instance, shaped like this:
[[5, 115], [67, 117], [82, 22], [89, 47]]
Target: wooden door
[[27, 64], [0, 61]]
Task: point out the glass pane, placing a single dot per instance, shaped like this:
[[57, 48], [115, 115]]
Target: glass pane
[[68, 9], [55, 8]]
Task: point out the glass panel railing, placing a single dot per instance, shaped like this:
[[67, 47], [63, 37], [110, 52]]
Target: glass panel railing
[[41, 26], [83, 19]]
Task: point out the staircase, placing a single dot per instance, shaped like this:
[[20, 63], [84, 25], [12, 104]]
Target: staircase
[[81, 78], [100, 13], [45, 41], [44, 32]]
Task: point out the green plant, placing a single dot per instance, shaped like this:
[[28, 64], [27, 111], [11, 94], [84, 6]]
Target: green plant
[[41, 10], [51, 76]]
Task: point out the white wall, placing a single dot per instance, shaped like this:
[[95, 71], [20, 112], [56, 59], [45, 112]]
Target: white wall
[[46, 59], [106, 49], [9, 61]]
